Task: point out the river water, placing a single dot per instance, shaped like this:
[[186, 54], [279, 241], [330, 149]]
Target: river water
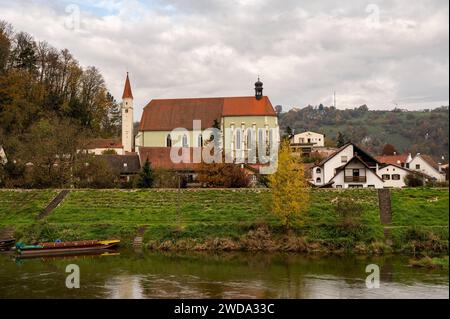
[[227, 275]]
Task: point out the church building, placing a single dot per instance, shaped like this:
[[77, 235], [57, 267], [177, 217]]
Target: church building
[[247, 120]]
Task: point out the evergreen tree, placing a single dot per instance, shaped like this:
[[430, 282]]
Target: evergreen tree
[[341, 140], [146, 177]]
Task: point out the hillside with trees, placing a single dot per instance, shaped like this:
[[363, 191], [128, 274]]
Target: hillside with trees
[[424, 131], [49, 105]]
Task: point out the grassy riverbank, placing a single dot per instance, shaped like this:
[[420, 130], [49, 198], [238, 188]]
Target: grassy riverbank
[[229, 219]]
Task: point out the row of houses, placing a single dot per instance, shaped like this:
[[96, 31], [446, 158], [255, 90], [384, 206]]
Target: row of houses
[[352, 167]]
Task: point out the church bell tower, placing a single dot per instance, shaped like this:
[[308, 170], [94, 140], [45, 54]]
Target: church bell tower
[[259, 89], [127, 117]]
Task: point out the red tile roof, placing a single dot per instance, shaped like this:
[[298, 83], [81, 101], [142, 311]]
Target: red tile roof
[[127, 93], [392, 159], [159, 157], [247, 106], [104, 143], [165, 115]]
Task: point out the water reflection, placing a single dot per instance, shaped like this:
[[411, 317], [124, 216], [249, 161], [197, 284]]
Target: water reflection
[[125, 287], [194, 275]]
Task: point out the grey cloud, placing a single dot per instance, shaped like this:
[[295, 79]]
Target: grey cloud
[[304, 50]]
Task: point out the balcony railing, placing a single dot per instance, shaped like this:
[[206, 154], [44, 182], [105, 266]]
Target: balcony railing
[[355, 179]]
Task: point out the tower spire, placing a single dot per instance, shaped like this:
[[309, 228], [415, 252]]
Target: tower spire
[[127, 93], [127, 117]]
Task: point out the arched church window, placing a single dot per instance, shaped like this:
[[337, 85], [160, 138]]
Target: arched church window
[[200, 140], [318, 180], [238, 139], [249, 139], [169, 141]]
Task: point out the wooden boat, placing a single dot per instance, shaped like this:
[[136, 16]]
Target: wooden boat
[[63, 248], [71, 256], [6, 244]]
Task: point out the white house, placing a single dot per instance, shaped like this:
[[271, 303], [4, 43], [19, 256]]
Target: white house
[[423, 164], [349, 166], [394, 175], [316, 139], [426, 165], [356, 174], [101, 146]]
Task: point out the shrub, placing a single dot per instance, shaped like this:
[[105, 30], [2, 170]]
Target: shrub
[[349, 212], [413, 180]]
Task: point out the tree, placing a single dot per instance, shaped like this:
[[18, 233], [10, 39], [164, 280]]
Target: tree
[[221, 175], [414, 180], [146, 177], [289, 188], [94, 172], [24, 52], [289, 132], [5, 46], [51, 147], [389, 149], [341, 140]]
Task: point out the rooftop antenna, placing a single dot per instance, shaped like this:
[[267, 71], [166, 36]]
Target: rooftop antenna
[[334, 99]]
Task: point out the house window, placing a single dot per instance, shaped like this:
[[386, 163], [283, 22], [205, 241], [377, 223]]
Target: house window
[[355, 186], [407, 165], [169, 141], [344, 159], [338, 186], [356, 173], [417, 166], [185, 141], [318, 180], [386, 177], [318, 171], [396, 177], [370, 186], [126, 111]]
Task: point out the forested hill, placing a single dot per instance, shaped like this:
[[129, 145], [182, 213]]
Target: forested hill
[[43, 89], [414, 131]]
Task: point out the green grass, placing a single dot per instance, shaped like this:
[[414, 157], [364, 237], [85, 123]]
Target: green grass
[[22, 207], [205, 214], [420, 207]]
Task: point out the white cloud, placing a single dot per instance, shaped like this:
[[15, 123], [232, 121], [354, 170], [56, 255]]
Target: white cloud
[[303, 50]]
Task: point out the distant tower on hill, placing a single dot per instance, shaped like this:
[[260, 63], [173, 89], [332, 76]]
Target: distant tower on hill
[[127, 117]]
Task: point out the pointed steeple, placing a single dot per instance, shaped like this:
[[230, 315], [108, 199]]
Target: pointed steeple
[[127, 93]]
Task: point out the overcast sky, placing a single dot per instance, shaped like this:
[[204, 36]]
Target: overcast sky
[[379, 53]]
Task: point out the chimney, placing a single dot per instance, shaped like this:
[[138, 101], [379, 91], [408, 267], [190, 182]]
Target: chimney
[[440, 167]]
